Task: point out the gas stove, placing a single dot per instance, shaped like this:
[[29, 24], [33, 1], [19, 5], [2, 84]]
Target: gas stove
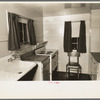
[[40, 50], [46, 52]]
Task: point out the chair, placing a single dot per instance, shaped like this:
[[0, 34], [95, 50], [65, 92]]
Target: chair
[[73, 66]]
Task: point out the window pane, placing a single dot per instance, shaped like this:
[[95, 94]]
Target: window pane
[[75, 43]]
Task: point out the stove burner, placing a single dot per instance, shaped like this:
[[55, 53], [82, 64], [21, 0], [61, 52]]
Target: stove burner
[[46, 52]]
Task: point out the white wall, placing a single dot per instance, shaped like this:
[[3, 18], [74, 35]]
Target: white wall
[[21, 10], [53, 28]]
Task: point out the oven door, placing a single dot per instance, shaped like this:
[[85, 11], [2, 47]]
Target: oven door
[[54, 61], [46, 69]]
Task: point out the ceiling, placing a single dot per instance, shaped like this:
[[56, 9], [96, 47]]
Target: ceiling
[[59, 9]]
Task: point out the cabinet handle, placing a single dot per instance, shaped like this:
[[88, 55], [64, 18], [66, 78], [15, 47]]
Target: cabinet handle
[[97, 69], [53, 56]]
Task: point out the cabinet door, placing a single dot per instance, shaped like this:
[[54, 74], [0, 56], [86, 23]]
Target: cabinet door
[[95, 30], [46, 71], [54, 61], [90, 66], [94, 69]]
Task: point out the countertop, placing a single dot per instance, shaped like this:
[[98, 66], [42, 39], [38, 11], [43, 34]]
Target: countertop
[[96, 55], [39, 58], [14, 70], [31, 56]]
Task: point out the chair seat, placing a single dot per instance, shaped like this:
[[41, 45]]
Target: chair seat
[[73, 67], [74, 64]]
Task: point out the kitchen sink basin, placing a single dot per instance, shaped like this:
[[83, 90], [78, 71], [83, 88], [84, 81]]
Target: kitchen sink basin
[[16, 66], [14, 70]]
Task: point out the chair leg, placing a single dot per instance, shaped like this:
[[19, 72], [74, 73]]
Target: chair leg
[[78, 73], [66, 72]]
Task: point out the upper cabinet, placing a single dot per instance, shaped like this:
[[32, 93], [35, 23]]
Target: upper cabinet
[[95, 19], [95, 30], [95, 24]]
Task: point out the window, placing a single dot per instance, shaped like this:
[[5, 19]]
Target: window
[[23, 33], [75, 41]]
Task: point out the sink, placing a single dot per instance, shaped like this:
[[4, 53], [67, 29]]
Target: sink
[[19, 66], [16, 66], [14, 70]]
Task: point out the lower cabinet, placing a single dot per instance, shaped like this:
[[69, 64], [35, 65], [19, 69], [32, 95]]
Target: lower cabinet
[[29, 76], [46, 70], [54, 61], [94, 69]]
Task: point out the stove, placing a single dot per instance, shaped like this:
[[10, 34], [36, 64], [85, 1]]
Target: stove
[[46, 52]]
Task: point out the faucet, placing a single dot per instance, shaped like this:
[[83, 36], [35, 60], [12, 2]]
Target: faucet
[[14, 57]]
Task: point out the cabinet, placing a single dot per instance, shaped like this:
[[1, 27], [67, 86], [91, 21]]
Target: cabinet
[[94, 69], [46, 70], [54, 61], [43, 71], [95, 31]]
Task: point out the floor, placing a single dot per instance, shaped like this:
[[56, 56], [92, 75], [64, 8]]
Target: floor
[[62, 76]]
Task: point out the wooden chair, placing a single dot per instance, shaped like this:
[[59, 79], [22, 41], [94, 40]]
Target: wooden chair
[[73, 66]]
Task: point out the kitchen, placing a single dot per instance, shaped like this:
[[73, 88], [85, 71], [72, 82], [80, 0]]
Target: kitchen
[[49, 32]]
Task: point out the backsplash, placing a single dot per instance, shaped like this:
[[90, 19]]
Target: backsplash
[[25, 48], [4, 48]]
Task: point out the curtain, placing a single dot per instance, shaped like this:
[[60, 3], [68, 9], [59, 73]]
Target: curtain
[[67, 37], [25, 34], [13, 37], [31, 32], [82, 38]]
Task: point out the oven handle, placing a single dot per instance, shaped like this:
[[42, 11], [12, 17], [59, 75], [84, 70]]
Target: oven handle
[[53, 56]]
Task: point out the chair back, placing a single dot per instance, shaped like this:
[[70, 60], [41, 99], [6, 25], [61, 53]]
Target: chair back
[[74, 54]]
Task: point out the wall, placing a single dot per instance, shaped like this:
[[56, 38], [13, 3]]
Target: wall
[[53, 28], [21, 10]]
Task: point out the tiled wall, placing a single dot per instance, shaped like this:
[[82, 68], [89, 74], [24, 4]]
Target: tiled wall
[[54, 32]]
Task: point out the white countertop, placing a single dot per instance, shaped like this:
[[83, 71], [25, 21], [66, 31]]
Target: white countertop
[[14, 70]]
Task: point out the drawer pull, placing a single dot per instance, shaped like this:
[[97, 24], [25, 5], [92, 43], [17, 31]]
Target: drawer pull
[[53, 56]]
